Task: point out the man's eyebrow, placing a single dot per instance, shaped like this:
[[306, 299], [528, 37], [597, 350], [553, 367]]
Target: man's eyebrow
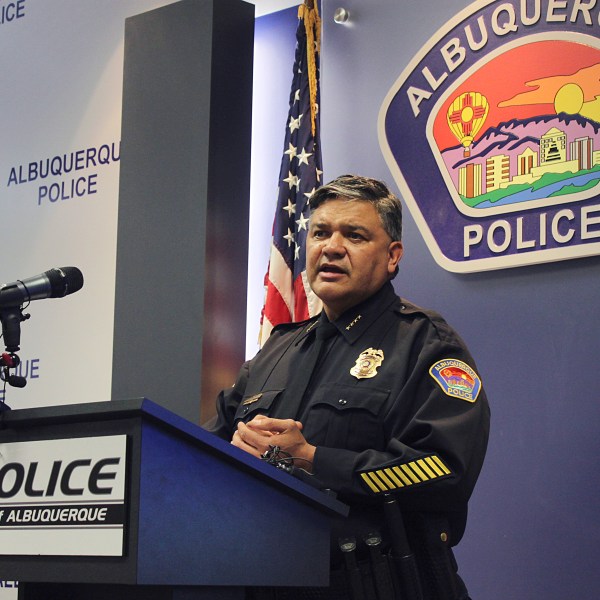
[[347, 226], [312, 223], [356, 227]]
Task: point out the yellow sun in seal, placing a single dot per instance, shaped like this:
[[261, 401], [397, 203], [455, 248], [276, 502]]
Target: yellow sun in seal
[[569, 99]]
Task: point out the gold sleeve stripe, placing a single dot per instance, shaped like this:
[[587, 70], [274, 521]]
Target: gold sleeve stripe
[[421, 470], [407, 470], [418, 471], [368, 481], [380, 484], [434, 467], [440, 464], [402, 476], [393, 477], [385, 479], [428, 471], [382, 487]]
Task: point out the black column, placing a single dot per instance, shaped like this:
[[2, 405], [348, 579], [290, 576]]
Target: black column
[[179, 329]]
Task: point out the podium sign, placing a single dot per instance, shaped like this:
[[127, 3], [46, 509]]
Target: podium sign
[[63, 497], [126, 500]]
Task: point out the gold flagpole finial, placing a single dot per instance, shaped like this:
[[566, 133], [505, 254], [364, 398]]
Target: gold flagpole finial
[[309, 12]]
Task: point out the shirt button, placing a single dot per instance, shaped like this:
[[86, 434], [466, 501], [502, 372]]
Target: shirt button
[[342, 401], [245, 410]]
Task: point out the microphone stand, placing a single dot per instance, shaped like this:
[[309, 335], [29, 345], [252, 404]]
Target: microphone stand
[[11, 317]]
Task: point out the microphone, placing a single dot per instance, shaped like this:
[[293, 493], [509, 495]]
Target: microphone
[[55, 283]]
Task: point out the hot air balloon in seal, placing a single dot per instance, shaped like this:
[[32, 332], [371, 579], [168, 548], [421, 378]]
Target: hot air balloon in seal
[[466, 116]]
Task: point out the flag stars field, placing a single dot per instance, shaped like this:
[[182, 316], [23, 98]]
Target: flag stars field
[[289, 237], [302, 222], [303, 157], [295, 123], [291, 208], [292, 180]]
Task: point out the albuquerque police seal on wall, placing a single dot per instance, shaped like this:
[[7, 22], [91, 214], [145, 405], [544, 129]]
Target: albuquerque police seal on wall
[[492, 133]]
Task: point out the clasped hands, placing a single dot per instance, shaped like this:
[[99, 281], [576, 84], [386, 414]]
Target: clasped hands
[[258, 435]]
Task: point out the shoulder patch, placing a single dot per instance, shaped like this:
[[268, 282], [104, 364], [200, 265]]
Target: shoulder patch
[[456, 378]]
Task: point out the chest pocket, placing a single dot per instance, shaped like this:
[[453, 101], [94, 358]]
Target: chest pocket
[[344, 416], [256, 404]]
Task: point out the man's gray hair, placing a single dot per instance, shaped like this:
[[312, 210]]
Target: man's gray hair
[[365, 189]]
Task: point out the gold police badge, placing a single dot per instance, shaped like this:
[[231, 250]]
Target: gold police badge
[[367, 363]]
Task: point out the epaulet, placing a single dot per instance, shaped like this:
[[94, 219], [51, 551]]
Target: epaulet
[[406, 307], [294, 325], [409, 309]]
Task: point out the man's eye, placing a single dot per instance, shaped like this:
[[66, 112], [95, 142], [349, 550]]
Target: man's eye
[[355, 236]]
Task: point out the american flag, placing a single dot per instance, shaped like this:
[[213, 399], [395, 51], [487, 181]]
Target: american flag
[[288, 295]]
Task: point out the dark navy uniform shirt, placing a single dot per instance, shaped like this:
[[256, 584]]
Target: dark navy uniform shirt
[[394, 405]]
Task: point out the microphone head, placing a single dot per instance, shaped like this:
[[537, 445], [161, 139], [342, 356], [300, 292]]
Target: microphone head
[[73, 279], [64, 281]]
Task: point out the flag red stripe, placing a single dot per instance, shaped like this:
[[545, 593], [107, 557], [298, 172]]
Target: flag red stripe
[[276, 310], [300, 303]]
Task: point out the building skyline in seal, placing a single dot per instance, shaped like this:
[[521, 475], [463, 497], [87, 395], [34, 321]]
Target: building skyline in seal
[[556, 154]]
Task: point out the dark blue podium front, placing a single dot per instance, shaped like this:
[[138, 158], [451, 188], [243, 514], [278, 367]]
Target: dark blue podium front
[[204, 519]]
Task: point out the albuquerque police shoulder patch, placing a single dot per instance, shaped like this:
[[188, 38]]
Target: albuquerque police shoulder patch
[[456, 378]]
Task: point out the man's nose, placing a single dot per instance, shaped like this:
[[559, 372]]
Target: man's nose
[[335, 244]]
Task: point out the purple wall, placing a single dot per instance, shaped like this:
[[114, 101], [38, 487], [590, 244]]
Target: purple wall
[[534, 518]]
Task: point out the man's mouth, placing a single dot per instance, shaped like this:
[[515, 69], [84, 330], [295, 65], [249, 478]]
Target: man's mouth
[[331, 268]]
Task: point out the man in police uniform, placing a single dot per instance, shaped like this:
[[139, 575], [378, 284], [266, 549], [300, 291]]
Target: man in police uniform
[[373, 398]]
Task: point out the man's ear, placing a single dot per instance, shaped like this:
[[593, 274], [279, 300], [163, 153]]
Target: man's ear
[[395, 252]]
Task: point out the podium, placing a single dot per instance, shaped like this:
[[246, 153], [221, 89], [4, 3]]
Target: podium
[[125, 499]]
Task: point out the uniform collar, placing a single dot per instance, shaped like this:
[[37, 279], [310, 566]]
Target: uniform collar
[[320, 321], [356, 320]]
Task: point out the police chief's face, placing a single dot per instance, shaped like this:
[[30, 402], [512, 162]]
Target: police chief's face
[[349, 255]]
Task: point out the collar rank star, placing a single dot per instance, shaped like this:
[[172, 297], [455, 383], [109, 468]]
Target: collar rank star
[[354, 322], [367, 363]]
